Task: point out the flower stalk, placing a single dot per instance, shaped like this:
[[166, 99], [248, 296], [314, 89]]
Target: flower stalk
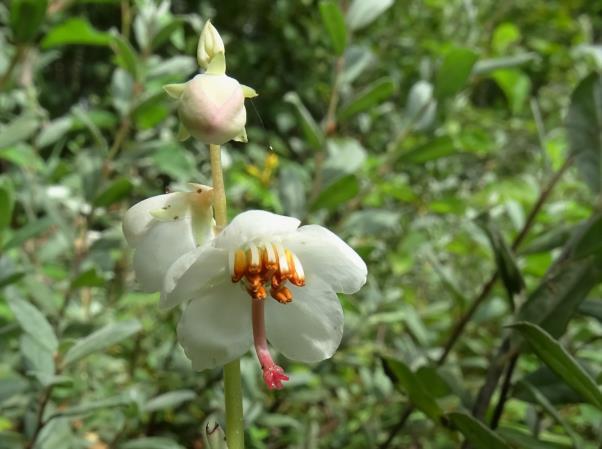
[[232, 382]]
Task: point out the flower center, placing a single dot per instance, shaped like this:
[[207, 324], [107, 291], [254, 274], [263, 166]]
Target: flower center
[[266, 266]]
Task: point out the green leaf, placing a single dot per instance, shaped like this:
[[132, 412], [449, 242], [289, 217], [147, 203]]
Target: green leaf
[[565, 285], [311, 130], [592, 308], [435, 148], [589, 242], [26, 18], [88, 407], [363, 12], [523, 440], [126, 56], [151, 443], [485, 66], [454, 71], [584, 129], [165, 32], [337, 193], [409, 383], [7, 203], [39, 359], [477, 433], [28, 231], [171, 399], [75, 31], [20, 129], [53, 131], [345, 156], [101, 339], [372, 95], [542, 400], [117, 190], [516, 87], [560, 361], [504, 260], [89, 278], [31, 320], [335, 25]]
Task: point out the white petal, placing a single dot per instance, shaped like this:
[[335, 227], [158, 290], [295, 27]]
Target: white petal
[[254, 224], [324, 254], [308, 329], [138, 218], [160, 246], [200, 269], [216, 328]]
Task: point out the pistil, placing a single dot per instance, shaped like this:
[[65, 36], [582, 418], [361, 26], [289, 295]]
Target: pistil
[[273, 375]]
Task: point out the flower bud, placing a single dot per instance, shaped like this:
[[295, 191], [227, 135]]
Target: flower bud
[[210, 44], [212, 109]]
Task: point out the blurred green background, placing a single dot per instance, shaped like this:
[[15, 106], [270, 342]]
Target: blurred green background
[[446, 141]]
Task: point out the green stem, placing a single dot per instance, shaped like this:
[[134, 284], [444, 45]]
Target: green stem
[[232, 384]]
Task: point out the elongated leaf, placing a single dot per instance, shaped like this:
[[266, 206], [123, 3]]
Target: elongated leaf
[[542, 400], [126, 55], [28, 231], [372, 95], [151, 443], [592, 308], [76, 31], [31, 320], [523, 440], [565, 285], [335, 25], [363, 12], [454, 71], [485, 66], [337, 193], [117, 190], [101, 339], [584, 129], [504, 260], [88, 407], [407, 381], [311, 130], [18, 130], [434, 149], [7, 203], [169, 400], [477, 433], [560, 361], [590, 240], [26, 17]]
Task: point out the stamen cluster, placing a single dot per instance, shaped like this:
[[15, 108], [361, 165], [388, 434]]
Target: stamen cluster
[[267, 265]]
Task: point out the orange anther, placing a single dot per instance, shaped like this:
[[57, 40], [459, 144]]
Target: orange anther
[[259, 293], [240, 265], [283, 295]]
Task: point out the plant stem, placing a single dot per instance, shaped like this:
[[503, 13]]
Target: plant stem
[[232, 384]]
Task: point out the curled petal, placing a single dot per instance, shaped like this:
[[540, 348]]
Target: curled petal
[[216, 327], [139, 218], [310, 328], [254, 224], [201, 269], [325, 255]]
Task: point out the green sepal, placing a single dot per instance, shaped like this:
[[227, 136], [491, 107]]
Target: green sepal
[[174, 90], [248, 92], [217, 65]]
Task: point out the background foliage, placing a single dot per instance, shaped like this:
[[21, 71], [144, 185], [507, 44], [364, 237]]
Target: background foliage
[[455, 144]]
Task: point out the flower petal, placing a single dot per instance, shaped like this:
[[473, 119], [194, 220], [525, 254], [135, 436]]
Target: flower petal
[[324, 254], [254, 224], [200, 269], [216, 328], [138, 218], [160, 246], [310, 328]]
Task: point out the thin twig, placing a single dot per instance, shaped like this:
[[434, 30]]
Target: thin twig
[[499, 408]]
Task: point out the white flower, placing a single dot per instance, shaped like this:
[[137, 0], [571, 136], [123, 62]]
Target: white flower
[[164, 227], [263, 262]]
